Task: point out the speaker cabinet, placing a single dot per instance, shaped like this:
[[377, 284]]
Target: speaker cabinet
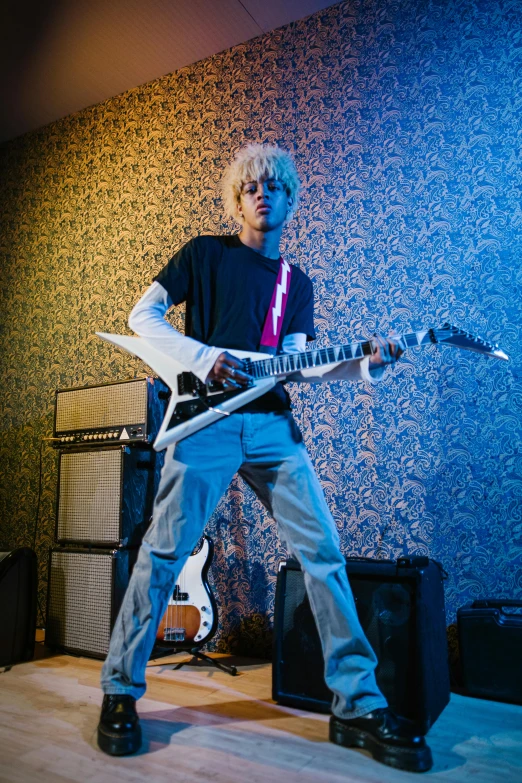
[[105, 495], [490, 643], [401, 609], [18, 580], [86, 588]]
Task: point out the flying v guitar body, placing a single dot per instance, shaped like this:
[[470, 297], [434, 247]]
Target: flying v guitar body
[[193, 405]]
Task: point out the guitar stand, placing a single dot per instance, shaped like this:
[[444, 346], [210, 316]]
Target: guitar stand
[[196, 653]]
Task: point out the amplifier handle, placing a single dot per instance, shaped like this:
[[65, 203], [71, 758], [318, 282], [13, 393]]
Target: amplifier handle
[[496, 603]]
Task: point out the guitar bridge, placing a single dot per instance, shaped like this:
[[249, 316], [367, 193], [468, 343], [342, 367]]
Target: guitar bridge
[[174, 635]]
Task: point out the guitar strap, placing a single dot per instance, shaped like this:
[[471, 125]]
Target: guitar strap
[[276, 311]]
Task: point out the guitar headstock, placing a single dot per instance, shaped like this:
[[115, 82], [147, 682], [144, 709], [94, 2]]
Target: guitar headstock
[[459, 338]]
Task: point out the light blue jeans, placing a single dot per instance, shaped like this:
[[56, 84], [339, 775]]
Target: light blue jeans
[[267, 450]]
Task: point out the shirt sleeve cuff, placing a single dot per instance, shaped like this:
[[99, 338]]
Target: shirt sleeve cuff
[[371, 374], [203, 360]]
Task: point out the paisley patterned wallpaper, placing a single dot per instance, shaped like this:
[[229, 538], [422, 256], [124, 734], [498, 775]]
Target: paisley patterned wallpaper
[[404, 118]]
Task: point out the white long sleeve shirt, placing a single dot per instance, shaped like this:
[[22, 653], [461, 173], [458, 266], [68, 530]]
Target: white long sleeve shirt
[[147, 320]]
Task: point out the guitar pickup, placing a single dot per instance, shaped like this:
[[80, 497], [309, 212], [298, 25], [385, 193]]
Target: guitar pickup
[[188, 383], [177, 595]]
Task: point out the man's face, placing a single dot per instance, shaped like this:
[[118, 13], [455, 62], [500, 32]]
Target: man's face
[[264, 204]]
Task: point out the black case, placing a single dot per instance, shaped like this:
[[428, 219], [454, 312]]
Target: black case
[[18, 584], [401, 609], [490, 642]]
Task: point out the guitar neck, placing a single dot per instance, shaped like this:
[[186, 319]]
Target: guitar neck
[[293, 362]]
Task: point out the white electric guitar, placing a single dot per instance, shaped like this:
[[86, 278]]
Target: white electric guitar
[[194, 405], [191, 619]]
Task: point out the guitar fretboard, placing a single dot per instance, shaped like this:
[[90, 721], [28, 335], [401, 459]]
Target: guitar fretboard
[[293, 362]]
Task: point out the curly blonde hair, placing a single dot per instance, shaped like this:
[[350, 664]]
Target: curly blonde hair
[[253, 162]]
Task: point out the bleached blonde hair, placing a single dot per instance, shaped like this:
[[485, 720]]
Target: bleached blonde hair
[[253, 162]]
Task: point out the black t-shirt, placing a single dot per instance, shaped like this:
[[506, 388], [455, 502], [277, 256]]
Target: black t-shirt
[[227, 288]]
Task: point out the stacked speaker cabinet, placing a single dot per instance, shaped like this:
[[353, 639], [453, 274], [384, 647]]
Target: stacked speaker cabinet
[[107, 479]]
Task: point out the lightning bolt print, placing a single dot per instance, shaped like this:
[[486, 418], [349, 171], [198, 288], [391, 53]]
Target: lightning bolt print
[[281, 289]]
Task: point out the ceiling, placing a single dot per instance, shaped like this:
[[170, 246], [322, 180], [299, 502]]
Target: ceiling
[[60, 56]]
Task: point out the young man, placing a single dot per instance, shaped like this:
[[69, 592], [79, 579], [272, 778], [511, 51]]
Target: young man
[[227, 284]]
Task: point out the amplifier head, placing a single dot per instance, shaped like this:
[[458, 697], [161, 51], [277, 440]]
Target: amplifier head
[[124, 412]]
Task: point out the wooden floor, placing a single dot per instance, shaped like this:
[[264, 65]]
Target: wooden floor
[[203, 725]]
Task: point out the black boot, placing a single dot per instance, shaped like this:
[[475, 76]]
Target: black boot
[[389, 738], [119, 730]]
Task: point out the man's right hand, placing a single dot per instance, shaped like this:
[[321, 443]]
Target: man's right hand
[[230, 371]]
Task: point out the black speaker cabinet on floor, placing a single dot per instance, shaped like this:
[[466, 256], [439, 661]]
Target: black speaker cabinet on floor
[[105, 495], [85, 591], [18, 582], [490, 642], [401, 609]]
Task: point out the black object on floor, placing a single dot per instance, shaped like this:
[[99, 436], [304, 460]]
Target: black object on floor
[[18, 583], [490, 642], [401, 609], [197, 655]]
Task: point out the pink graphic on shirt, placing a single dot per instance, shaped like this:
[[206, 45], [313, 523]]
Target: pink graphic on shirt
[[274, 319]]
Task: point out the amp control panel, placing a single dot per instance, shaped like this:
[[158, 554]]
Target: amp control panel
[[122, 412], [125, 434]]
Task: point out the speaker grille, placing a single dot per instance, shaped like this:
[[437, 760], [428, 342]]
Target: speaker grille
[[401, 610], [101, 406], [80, 597], [301, 648], [89, 500], [385, 613]]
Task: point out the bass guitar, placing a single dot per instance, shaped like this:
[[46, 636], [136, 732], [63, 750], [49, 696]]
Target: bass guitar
[[191, 619], [194, 405]]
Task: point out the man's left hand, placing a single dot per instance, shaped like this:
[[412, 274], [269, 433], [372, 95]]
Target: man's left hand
[[387, 350]]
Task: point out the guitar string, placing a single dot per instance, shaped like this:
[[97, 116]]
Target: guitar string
[[357, 350], [270, 365]]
